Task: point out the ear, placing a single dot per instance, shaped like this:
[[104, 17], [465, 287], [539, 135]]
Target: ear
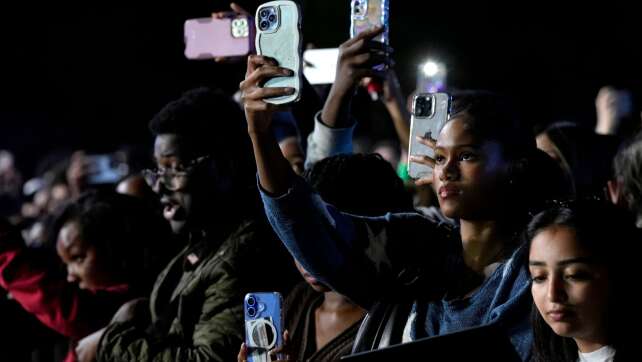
[[615, 191]]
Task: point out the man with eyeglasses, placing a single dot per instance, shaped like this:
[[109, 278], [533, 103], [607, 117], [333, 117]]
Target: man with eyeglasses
[[206, 182]]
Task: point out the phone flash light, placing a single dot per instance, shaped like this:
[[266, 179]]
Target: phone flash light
[[430, 68]]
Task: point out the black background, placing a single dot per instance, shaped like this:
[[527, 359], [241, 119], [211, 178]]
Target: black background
[[90, 75]]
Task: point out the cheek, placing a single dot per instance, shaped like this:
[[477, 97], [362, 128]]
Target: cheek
[[539, 296], [593, 299]]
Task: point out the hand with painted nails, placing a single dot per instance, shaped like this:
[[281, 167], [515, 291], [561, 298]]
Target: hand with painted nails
[[424, 160], [258, 112]]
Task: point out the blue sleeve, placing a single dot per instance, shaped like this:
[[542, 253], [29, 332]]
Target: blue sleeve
[[364, 258]]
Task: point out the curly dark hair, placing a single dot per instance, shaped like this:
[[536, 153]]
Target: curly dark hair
[[125, 229], [361, 184], [213, 124]]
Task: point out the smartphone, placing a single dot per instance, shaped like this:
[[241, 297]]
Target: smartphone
[[207, 38], [263, 324], [367, 14], [320, 65], [105, 169], [430, 112], [279, 37]]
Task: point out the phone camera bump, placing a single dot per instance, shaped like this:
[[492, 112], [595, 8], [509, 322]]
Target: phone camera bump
[[251, 312], [423, 106]]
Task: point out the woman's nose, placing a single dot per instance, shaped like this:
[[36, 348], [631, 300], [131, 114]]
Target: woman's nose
[[556, 290], [449, 171]]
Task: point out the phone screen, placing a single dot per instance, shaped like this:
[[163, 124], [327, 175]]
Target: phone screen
[[320, 65]]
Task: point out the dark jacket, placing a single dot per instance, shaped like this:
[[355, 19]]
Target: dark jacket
[[196, 306]]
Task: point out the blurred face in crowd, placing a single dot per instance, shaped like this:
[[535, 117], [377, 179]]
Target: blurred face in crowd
[[570, 288], [184, 194], [312, 281], [469, 172], [85, 265]]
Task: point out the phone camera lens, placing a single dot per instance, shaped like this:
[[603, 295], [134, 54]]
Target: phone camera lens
[[272, 18], [264, 13], [251, 311], [264, 25], [251, 301]]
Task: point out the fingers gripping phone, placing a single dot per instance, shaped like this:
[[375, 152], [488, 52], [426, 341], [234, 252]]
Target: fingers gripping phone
[[263, 325], [207, 38], [279, 37], [430, 112]]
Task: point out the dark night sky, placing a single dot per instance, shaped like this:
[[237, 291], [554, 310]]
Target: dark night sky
[[91, 75]]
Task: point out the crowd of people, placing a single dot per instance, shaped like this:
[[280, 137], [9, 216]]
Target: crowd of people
[[534, 231]]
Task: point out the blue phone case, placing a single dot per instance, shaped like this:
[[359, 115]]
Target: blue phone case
[[263, 324]]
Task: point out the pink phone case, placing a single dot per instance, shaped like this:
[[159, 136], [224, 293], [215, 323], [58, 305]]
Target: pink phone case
[[207, 38]]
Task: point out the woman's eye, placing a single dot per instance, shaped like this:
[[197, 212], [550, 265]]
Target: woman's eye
[[467, 156], [580, 276], [439, 159], [538, 278]]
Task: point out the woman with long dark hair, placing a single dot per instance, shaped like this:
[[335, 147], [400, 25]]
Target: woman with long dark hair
[[577, 261]]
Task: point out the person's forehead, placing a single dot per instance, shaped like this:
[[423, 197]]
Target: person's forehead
[[557, 242], [69, 236], [171, 145], [457, 132]]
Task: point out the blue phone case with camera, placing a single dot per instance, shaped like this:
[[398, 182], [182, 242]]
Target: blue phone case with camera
[[263, 324]]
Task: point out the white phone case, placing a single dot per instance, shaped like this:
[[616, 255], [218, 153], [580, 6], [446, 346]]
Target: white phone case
[[426, 126], [284, 45]]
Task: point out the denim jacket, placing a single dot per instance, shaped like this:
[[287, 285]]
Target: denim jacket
[[400, 257]]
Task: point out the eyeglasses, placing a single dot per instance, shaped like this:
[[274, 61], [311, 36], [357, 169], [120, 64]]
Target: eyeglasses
[[173, 179]]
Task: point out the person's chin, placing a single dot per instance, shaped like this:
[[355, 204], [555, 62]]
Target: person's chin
[[450, 209]]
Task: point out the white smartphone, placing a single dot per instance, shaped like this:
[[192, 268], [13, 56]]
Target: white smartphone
[[278, 25], [320, 65], [430, 112]]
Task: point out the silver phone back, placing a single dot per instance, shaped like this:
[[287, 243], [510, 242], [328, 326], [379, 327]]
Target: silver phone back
[[426, 126], [284, 45]]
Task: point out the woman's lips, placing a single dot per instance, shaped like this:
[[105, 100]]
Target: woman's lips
[[446, 192], [558, 315]]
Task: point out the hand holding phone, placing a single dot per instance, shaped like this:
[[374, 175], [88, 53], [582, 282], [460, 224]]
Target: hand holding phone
[[356, 59], [263, 325], [279, 37], [369, 14], [430, 112]]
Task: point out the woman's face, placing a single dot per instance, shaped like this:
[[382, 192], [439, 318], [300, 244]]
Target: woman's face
[[469, 174], [312, 281], [84, 265], [570, 289]]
